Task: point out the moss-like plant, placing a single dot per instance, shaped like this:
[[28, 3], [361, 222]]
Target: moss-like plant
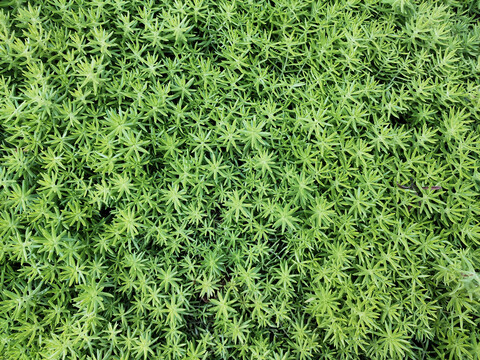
[[202, 179]]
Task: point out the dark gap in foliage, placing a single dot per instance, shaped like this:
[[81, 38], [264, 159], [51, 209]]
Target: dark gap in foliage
[[106, 212], [399, 120]]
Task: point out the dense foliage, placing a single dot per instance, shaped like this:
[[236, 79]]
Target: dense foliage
[[253, 179]]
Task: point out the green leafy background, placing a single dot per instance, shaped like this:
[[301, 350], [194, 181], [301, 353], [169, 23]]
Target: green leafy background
[[207, 179]]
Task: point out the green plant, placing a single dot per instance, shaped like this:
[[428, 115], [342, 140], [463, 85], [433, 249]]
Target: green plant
[[239, 179]]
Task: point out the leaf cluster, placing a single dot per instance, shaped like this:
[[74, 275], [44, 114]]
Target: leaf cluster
[[239, 179]]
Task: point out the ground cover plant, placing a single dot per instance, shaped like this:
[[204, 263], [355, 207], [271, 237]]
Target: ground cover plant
[[260, 179]]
